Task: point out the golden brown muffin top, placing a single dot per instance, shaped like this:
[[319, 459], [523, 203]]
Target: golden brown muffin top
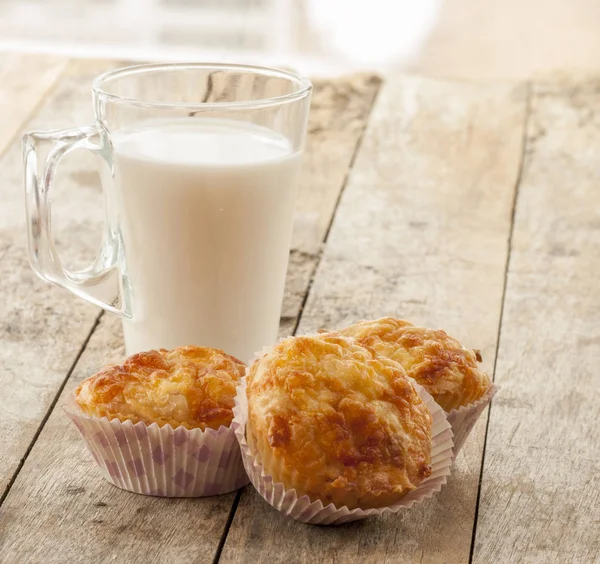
[[338, 423], [446, 369], [189, 386]]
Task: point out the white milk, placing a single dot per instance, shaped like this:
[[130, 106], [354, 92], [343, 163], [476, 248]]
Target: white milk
[[206, 209]]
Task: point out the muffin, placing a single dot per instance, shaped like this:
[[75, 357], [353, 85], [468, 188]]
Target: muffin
[[337, 423], [446, 369], [160, 423], [193, 387]]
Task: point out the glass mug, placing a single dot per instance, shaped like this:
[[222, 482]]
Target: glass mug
[[203, 163]]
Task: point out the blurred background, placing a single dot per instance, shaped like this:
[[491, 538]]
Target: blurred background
[[465, 39]]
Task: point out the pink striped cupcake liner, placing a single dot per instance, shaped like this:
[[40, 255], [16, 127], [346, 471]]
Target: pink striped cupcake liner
[[162, 461]]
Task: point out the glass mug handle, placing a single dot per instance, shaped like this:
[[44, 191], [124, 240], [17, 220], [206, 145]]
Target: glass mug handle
[[91, 283]]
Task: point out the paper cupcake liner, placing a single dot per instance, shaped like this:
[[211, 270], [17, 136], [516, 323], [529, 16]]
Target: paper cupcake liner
[[463, 419], [162, 461], [302, 509]]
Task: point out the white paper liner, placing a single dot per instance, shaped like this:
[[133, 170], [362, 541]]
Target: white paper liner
[[162, 461], [463, 419], [302, 509]]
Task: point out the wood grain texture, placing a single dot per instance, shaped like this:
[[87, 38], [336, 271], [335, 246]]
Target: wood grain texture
[[421, 232], [541, 483], [55, 505], [42, 328], [24, 81]]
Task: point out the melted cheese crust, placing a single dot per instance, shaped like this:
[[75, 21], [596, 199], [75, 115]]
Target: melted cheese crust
[[190, 386], [337, 423], [446, 369]]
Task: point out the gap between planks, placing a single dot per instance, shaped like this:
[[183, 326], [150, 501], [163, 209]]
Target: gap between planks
[[528, 95], [51, 407], [335, 208]]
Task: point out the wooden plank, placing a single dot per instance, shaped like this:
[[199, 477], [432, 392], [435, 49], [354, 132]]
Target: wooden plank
[[59, 488], [540, 498], [421, 232], [42, 327], [24, 81]]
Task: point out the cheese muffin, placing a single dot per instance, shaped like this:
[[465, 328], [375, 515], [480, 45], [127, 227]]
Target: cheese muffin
[[337, 422], [446, 369], [193, 387]]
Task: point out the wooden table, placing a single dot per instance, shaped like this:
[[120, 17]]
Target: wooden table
[[472, 207]]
